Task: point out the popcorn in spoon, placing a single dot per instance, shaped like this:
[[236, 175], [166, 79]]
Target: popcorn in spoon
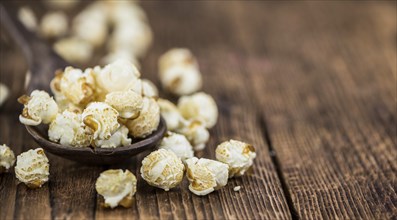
[[7, 158], [101, 119], [39, 108], [78, 87], [128, 103], [178, 144], [119, 138], [33, 168]]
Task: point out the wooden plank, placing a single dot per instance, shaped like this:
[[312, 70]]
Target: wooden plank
[[326, 81]]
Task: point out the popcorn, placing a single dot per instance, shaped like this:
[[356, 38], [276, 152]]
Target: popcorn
[[162, 169], [32, 168], [148, 119], [78, 87], [196, 133], [145, 88], [124, 11], [117, 76], [116, 187], [7, 158], [238, 155], [199, 106], [74, 50], [206, 175], [27, 18], [171, 115], [128, 104], [119, 138], [237, 188], [61, 100], [178, 144], [67, 129], [181, 80], [121, 54], [4, 93], [176, 57], [54, 24], [39, 108], [101, 119]]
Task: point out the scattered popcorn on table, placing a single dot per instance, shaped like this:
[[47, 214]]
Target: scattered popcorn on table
[[199, 106], [54, 24], [162, 169], [33, 168], [7, 158], [116, 187], [27, 18], [4, 93], [67, 129], [237, 188], [196, 133], [129, 103], [78, 87], [178, 144], [39, 108], [238, 155], [101, 119], [206, 175], [74, 50], [148, 120], [176, 57], [119, 138], [171, 115]]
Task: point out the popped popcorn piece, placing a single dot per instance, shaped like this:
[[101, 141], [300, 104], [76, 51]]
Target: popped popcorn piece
[[4, 93], [128, 103], [176, 57], [199, 106], [119, 138], [67, 129], [206, 175], [237, 188], [238, 155], [54, 24], [101, 119], [117, 76], [61, 100], [145, 88], [162, 169], [196, 133], [27, 18], [148, 119], [171, 115], [181, 79], [178, 144], [121, 54], [74, 50], [39, 108], [61, 4], [7, 158], [116, 187], [78, 87], [33, 168]]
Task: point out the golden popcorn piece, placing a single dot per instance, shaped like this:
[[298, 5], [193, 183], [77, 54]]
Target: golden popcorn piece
[[67, 129], [116, 187], [101, 119], [199, 106], [27, 18], [74, 50], [238, 155], [181, 80], [4, 93], [162, 169], [78, 87], [148, 120], [171, 115], [178, 144], [54, 24], [196, 133], [206, 175], [119, 138], [32, 168], [7, 158], [39, 108], [128, 103]]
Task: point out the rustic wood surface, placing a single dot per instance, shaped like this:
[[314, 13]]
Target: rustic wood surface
[[311, 84]]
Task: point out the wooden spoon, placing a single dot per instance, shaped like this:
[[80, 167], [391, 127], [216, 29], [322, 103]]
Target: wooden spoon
[[43, 63]]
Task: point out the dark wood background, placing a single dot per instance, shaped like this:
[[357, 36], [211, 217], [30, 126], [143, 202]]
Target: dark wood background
[[311, 84]]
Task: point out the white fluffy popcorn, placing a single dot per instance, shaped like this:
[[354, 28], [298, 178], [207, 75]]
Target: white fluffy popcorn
[[117, 76], [206, 175], [178, 144], [145, 88], [33, 168], [27, 18], [39, 108], [67, 129], [78, 87], [74, 50], [121, 54], [128, 103], [199, 106], [162, 169], [148, 119], [176, 57], [118, 138], [116, 187], [171, 115], [238, 155], [101, 119], [7, 158], [4, 93], [181, 79], [54, 24], [196, 133]]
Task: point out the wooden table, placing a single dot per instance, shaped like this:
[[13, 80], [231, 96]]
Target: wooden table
[[312, 85]]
